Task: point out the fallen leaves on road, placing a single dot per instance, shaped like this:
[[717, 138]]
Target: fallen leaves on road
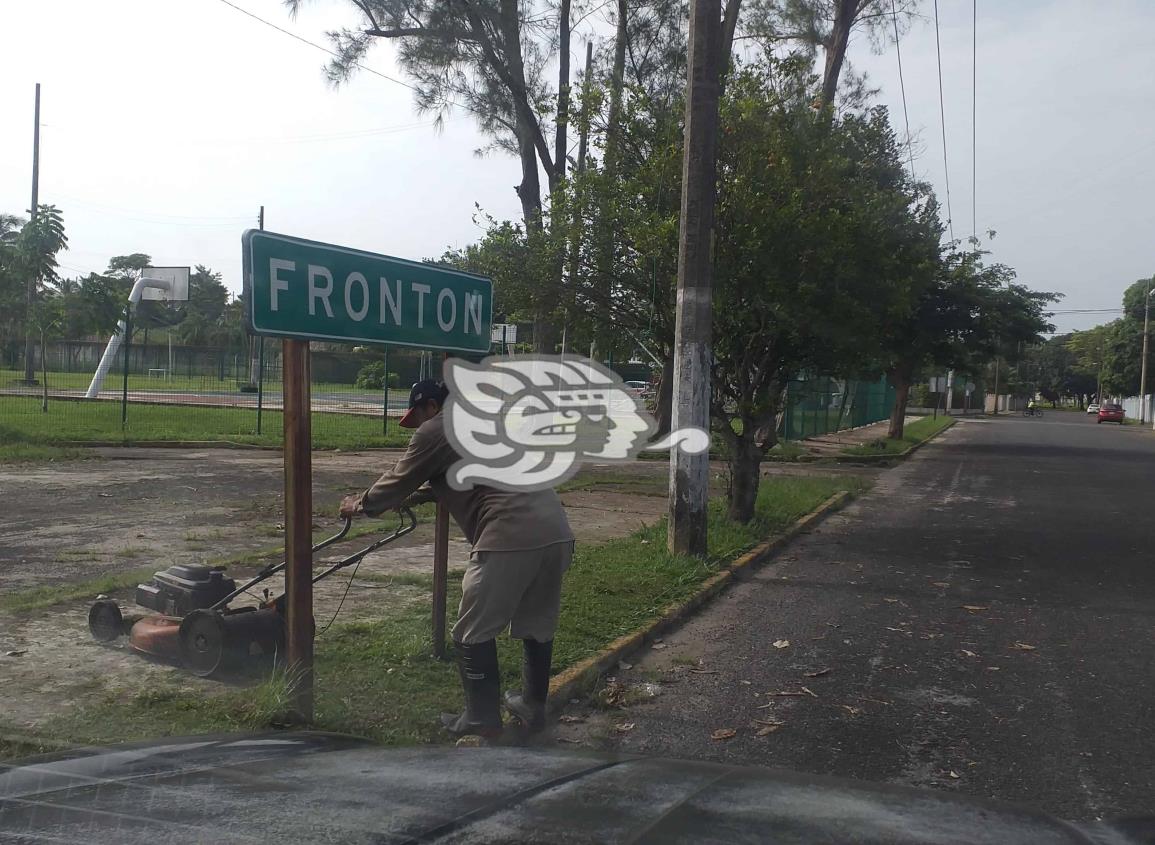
[[891, 601], [658, 646], [1024, 647], [953, 774], [992, 668], [567, 719], [853, 711], [704, 671], [943, 584], [781, 644], [769, 729], [809, 692], [817, 673], [624, 727], [568, 740], [746, 683], [723, 733], [899, 630], [969, 653], [974, 608], [626, 666], [873, 700], [15, 653]]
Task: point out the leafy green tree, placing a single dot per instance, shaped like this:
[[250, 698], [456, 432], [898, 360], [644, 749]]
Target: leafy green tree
[[491, 58], [819, 237], [34, 259]]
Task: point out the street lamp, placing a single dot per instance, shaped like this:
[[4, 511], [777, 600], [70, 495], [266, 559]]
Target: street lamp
[[1143, 363]]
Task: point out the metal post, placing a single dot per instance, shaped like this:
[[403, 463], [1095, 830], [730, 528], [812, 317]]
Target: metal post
[[1143, 364], [260, 380], [385, 400], [29, 342], [260, 351], [690, 474], [298, 526], [125, 347], [996, 386], [440, 573]]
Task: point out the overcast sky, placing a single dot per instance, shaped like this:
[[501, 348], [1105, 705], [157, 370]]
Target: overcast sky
[[164, 134]]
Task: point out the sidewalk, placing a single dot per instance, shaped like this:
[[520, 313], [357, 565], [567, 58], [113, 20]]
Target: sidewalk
[[828, 445]]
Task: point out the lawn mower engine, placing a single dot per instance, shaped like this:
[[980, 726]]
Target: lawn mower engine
[[181, 589]]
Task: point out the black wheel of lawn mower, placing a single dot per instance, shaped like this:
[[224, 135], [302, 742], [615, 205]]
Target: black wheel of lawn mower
[[105, 621], [204, 642]]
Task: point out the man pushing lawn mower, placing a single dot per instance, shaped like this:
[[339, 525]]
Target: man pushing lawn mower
[[522, 546]]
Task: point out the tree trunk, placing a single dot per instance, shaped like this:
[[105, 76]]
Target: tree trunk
[[901, 383], [745, 472], [560, 143], [729, 26], [844, 14], [44, 370]]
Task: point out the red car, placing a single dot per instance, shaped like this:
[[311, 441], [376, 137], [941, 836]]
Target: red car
[[1110, 412]]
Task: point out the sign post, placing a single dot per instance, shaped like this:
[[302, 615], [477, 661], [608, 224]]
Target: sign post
[[302, 290], [298, 526]]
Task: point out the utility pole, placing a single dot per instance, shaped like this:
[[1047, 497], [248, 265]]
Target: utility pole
[[1143, 363], [690, 474], [30, 301]]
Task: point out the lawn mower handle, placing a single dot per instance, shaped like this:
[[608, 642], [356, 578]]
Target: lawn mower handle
[[409, 522], [270, 571]]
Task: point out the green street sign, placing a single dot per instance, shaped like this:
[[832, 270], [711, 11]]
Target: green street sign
[[312, 291]]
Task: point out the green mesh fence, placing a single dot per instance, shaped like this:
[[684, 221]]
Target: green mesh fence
[[825, 405]]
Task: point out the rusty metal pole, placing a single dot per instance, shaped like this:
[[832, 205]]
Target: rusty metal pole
[[440, 572], [298, 527]]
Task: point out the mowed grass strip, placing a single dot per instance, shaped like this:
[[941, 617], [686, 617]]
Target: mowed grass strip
[[378, 679], [913, 433], [71, 421]]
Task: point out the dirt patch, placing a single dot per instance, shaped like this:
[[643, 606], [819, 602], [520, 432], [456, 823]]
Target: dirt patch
[[72, 521]]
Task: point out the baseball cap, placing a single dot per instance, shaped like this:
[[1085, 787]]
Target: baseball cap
[[422, 392]]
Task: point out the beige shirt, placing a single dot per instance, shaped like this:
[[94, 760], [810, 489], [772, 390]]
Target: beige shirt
[[492, 520]]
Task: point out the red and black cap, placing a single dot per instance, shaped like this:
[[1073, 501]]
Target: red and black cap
[[422, 392]]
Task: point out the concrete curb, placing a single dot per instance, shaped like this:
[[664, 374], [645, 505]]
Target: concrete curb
[[584, 674], [897, 456]]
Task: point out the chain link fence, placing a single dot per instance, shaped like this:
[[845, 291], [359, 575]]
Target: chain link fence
[[820, 406], [162, 392]]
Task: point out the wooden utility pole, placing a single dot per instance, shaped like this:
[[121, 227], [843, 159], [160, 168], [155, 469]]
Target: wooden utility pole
[[30, 302], [690, 474], [1143, 363], [298, 527]]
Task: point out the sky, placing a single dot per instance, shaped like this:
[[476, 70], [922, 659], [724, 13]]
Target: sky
[[165, 133]]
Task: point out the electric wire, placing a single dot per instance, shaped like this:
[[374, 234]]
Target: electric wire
[[942, 118]]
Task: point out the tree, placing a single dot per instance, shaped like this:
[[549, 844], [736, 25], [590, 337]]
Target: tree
[[490, 58], [808, 25], [819, 234], [34, 258]]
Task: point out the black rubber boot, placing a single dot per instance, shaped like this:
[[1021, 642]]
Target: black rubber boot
[[529, 704], [481, 682]]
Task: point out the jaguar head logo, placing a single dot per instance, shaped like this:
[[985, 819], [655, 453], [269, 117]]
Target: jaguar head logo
[[529, 422]]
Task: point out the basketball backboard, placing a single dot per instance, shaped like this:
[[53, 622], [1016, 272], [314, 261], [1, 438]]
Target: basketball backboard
[[177, 277]]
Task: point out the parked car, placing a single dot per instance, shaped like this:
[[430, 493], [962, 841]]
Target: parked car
[[1093, 408], [641, 388], [1111, 412]]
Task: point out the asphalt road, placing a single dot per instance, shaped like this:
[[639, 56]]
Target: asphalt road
[[1041, 693]]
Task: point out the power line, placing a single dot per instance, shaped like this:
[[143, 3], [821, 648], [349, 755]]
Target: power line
[[902, 88], [942, 118], [315, 45]]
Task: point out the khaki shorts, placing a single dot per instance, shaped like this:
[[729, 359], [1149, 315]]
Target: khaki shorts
[[516, 590]]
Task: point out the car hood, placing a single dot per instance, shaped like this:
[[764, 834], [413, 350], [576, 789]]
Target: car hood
[[317, 787]]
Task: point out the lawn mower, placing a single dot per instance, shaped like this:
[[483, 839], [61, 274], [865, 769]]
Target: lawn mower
[[193, 623]]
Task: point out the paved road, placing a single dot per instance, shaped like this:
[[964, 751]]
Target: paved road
[[1042, 693]]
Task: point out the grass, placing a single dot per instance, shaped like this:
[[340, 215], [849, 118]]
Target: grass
[[914, 433], [378, 679], [23, 424], [37, 598], [23, 453], [177, 384]]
